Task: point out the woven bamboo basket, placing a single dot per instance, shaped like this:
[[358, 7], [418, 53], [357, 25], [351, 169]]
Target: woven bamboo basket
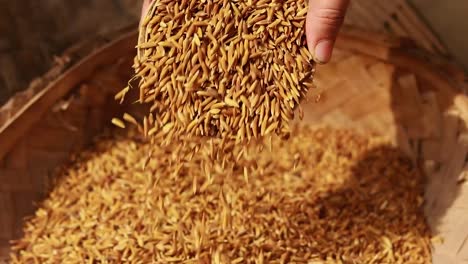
[[396, 17], [375, 84]]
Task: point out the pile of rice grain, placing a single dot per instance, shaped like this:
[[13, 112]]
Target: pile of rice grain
[[226, 69], [324, 196]]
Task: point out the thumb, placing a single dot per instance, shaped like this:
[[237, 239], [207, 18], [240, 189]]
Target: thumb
[[144, 9], [324, 20]]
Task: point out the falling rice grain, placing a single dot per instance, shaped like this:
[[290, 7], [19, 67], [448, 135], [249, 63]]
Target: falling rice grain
[[117, 122], [227, 52]]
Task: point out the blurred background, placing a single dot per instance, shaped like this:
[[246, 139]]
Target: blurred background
[[33, 32], [448, 19]]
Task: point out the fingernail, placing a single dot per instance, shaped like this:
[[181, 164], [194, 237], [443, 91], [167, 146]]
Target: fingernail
[[323, 51]]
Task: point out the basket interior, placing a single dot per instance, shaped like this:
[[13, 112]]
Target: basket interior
[[424, 119]]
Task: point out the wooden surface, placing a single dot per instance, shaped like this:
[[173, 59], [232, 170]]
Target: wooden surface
[[33, 32]]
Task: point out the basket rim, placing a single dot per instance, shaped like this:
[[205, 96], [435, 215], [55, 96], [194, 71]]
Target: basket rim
[[394, 50]]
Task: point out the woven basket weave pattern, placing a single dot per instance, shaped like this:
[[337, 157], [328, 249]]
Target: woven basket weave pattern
[[396, 17]]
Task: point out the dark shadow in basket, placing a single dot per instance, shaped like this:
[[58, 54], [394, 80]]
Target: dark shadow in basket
[[380, 203]]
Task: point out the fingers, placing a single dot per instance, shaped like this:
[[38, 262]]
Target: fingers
[[324, 21], [144, 9]]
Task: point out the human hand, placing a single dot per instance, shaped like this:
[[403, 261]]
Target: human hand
[[144, 9], [324, 20]]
